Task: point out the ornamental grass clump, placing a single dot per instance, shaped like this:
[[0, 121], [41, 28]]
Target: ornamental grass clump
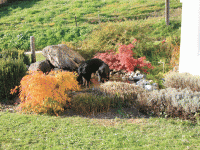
[[40, 93], [11, 73], [182, 80], [123, 94], [90, 103]]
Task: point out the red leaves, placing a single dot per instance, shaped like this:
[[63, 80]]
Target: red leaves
[[163, 41], [123, 60]]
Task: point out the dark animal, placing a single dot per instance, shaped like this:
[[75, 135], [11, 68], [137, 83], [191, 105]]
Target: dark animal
[[91, 66]]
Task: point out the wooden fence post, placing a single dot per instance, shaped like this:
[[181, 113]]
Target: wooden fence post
[[167, 12], [163, 65], [32, 46]]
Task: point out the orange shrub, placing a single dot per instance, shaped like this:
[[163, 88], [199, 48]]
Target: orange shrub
[[42, 93]]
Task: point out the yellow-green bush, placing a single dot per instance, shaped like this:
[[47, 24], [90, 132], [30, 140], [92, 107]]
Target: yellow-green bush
[[88, 103]]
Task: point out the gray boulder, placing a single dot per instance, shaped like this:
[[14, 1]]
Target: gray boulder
[[43, 66], [62, 57]]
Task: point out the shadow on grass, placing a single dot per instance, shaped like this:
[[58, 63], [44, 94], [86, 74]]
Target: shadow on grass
[[6, 8]]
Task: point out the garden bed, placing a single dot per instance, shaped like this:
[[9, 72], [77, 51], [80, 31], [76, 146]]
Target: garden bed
[[130, 112]]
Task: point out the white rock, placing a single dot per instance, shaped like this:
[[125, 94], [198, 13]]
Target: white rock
[[148, 87], [150, 81], [123, 78]]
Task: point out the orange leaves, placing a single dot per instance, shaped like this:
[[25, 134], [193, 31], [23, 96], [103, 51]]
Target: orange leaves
[[68, 79], [12, 91], [42, 93], [52, 24]]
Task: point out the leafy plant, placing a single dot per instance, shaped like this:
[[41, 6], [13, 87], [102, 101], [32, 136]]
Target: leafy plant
[[88, 103], [11, 73], [123, 60], [169, 102], [42, 93]]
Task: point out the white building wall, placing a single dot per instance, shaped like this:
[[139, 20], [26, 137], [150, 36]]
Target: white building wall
[[189, 60]]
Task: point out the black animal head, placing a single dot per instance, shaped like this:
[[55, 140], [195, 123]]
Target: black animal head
[[104, 72], [80, 79]]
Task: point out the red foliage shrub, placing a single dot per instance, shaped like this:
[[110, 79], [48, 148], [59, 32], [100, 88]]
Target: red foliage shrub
[[123, 59]]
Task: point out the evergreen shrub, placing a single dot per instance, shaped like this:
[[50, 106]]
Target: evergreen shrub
[[11, 73]]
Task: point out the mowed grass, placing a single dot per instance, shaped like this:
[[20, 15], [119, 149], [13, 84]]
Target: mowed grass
[[52, 22], [20, 131]]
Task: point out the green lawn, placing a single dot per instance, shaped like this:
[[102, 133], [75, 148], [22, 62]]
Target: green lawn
[[47, 132], [102, 24]]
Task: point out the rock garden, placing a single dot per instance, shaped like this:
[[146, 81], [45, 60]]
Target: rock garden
[[127, 94]]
